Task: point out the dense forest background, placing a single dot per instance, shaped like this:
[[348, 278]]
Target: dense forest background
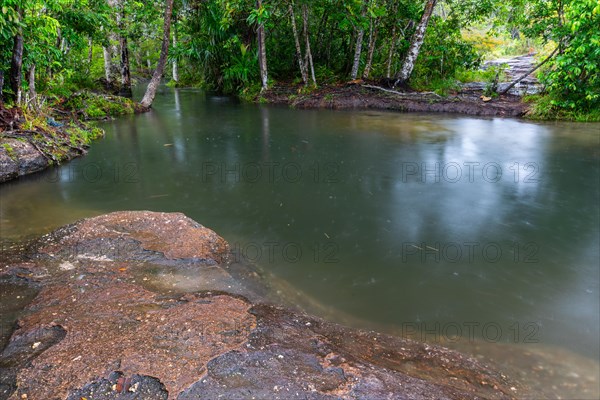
[[51, 49]]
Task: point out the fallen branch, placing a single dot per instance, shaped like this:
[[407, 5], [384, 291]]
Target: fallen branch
[[402, 93], [531, 71], [20, 132]]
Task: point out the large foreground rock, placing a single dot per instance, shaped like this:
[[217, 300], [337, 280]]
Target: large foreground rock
[[98, 329]]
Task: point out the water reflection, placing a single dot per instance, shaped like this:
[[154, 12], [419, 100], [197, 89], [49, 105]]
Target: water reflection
[[398, 218]]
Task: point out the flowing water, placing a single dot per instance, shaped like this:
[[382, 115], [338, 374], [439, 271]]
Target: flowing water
[[481, 234]]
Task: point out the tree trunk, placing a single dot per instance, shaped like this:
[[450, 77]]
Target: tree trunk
[[262, 53], [371, 51], [90, 50], [125, 70], [358, 48], [125, 90], [322, 25], [297, 43], [175, 65], [16, 66], [388, 72], [107, 65], [1, 86], [31, 81], [390, 57], [415, 44], [307, 49], [148, 62], [162, 61]]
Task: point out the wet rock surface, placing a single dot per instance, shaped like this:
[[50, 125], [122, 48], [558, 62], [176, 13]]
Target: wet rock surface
[[517, 67], [514, 68], [98, 330], [22, 159]]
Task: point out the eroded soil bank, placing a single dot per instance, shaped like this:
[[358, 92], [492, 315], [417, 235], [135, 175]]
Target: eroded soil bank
[[362, 96], [100, 330]]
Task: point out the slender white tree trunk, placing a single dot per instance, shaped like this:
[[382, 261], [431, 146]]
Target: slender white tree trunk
[[308, 52], [371, 51], [162, 61], [90, 51], [107, 64], [16, 65], [357, 53], [415, 44], [109, 51], [175, 65], [388, 72], [297, 43], [359, 42], [31, 80], [262, 54], [1, 86]]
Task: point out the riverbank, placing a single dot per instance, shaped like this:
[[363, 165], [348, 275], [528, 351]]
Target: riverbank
[[102, 324], [31, 141], [364, 96]]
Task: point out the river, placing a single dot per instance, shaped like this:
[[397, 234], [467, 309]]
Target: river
[[455, 230]]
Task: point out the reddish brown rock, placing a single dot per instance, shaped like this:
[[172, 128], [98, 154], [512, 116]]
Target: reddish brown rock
[[97, 330], [122, 327], [174, 235]]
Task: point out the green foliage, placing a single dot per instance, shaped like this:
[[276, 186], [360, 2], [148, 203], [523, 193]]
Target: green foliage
[[96, 106], [242, 70], [251, 92], [573, 80], [441, 86], [544, 107], [482, 75], [217, 44], [325, 75], [83, 135], [444, 55]]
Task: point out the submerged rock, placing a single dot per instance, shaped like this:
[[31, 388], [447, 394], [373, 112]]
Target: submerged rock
[[97, 331]]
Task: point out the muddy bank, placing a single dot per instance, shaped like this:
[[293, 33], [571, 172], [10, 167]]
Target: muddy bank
[[98, 328], [362, 96]]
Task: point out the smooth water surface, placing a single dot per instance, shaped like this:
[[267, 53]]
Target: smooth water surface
[[426, 225]]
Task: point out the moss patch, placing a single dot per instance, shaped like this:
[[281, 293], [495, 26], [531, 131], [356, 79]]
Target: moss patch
[[9, 150], [88, 105]]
